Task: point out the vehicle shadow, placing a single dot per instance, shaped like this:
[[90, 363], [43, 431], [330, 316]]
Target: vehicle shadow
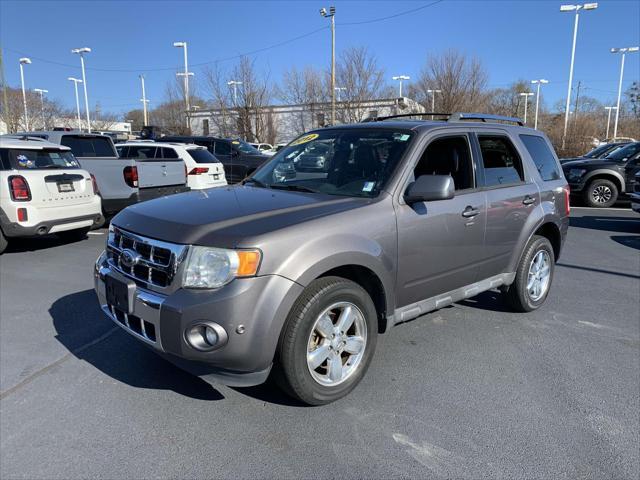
[[21, 245], [631, 241], [608, 224], [490, 300], [83, 329]]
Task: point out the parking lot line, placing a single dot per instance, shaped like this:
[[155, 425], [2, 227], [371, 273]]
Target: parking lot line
[[95, 233]]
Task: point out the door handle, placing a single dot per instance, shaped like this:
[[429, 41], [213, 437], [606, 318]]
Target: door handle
[[528, 200], [470, 212]]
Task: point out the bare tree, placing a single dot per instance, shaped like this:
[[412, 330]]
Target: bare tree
[[306, 88], [462, 81], [12, 114], [508, 101]]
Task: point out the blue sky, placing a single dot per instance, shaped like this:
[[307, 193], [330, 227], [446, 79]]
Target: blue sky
[[514, 39]]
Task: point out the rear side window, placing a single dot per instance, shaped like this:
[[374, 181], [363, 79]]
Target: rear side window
[[501, 162], [200, 155], [83, 146], [223, 148], [142, 153], [542, 156], [169, 153], [40, 159]]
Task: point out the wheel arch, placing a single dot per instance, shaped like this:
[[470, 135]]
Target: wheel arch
[[610, 175]]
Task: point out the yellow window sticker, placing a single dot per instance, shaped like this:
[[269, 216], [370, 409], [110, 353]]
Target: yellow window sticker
[[236, 142], [305, 139]]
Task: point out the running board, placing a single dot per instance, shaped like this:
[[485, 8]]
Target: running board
[[414, 310]]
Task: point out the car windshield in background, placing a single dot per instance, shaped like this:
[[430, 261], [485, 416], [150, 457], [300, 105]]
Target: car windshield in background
[[41, 159], [624, 153], [244, 147], [86, 146], [202, 155], [348, 162], [596, 152]]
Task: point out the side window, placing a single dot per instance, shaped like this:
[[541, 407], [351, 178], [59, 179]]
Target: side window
[[142, 153], [542, 156], [169, 153], [223, 148], [501, 162], [123, 152], [448, 156]]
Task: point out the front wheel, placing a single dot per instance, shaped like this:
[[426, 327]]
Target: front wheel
[[601, 193], [328, 341], [534, 274]]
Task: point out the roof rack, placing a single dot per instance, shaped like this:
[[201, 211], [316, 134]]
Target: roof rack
[[403, 115], [484, 117]]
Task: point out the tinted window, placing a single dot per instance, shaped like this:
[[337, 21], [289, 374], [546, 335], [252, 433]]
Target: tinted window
[[448, 156], [502, 165], [223, 148], [542, 156], [141, 152], [596, 152], [169, 153], [41, 159], [244, 147], [83, 146], [200, 155], [625, 153]]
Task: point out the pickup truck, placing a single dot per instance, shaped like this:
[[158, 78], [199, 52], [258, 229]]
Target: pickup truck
[[121, 182]]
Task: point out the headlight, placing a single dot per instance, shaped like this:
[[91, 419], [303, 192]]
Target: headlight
[[577, 172], [208, 267]]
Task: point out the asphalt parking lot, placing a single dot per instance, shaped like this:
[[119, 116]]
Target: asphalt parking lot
[[471, 391]]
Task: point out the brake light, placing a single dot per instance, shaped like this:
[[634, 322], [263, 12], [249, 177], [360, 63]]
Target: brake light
[[94, 184], [19, 189], [198, 171], [131, 176], [567, 194]]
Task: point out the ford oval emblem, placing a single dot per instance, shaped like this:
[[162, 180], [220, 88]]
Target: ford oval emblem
[[129, 258]]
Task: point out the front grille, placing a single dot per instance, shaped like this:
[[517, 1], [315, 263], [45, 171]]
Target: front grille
[[156, 263], [135, 324]]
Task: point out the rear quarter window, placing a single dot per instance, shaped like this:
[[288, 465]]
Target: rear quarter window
[[200, 155], [542, 156], [82, 146]]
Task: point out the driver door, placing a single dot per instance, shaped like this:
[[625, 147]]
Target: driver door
[[440, 242]]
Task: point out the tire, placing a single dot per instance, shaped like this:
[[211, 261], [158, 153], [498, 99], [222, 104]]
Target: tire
[[519, 297], [600, 193], [3, 242], [322, 385], [74, 235]]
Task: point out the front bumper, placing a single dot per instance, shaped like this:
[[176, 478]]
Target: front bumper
[[252, 312]]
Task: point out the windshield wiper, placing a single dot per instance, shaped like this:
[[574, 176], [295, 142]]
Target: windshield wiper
[[257, 183], [293, 188]]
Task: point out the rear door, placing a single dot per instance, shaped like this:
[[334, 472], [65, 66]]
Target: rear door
[[511, 195]]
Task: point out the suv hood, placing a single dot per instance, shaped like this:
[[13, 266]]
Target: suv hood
[[589, 163], [224, 217]]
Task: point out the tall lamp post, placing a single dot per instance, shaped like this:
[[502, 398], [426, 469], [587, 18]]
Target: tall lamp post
[[81, 52], [433, 100], [76, 81], [608, 120], [338, 90], [400, 78], [526, 96], [144, 102], [24, 61], [332, 16], [234, 84], [186, 74], [42, 92], [623, 51], [537, 83], [573, 8]]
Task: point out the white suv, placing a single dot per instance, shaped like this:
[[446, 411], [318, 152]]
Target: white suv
[[202, 168], [43, 190]]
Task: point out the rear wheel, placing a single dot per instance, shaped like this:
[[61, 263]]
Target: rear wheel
[[3, 242], [74, 235], [601, 193], [328, 341]]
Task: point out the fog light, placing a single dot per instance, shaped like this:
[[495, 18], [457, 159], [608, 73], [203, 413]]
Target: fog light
[[206, 336]]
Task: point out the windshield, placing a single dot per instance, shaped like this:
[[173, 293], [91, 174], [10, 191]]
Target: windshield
[[624, 153], [596, 152], [41, 159], [355, 163], [244, 147], [202, 155]]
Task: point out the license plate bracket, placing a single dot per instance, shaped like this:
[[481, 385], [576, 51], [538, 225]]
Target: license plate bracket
[[120, 294], [65, 187]]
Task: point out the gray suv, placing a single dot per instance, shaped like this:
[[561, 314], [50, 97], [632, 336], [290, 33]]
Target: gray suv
[[298, 274]]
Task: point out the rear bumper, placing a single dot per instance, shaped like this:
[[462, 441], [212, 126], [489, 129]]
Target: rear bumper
[[251, 312], [114, 205]]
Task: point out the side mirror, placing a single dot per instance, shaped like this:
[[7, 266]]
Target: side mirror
[[429, 188]]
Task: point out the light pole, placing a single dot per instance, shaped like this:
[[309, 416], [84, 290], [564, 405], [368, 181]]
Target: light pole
[[24, 61], [234, 84], [186, 76], [526, 96], [606, 137], [400, 78], [338, 90], [623, 51], [332, 16], [76, 81], [42, 92], [433, 100], [81, 52], [572, 8], [144, 102], [538, 82]]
